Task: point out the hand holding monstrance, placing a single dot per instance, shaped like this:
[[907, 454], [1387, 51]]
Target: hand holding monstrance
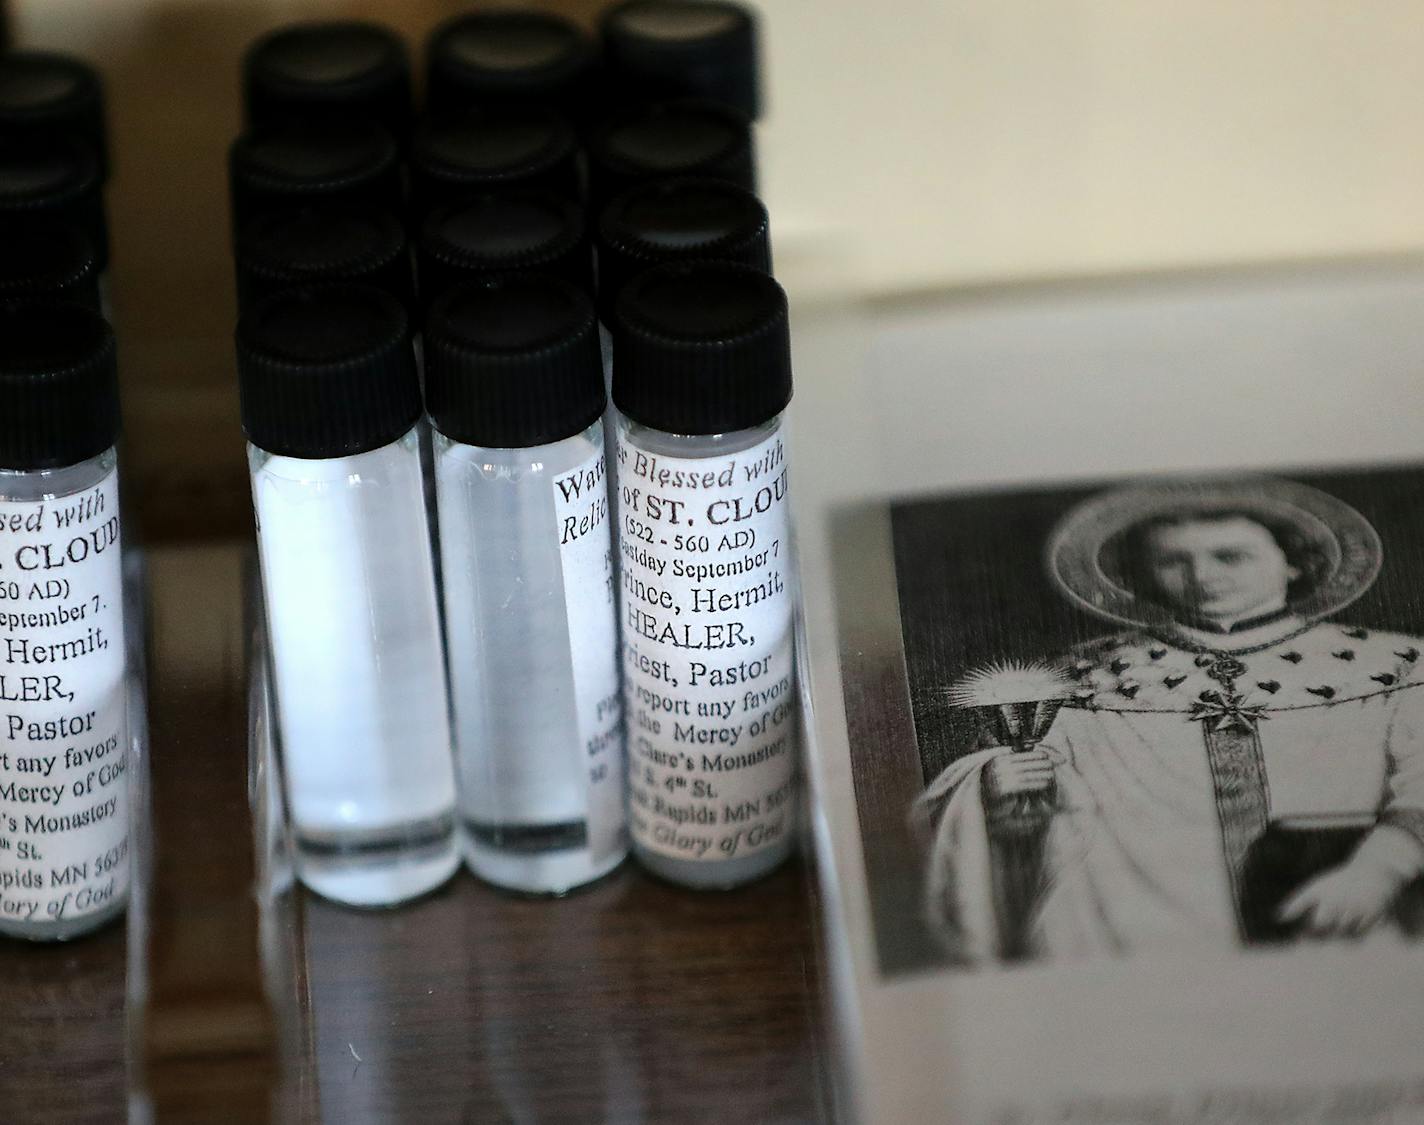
[[1013, 704]]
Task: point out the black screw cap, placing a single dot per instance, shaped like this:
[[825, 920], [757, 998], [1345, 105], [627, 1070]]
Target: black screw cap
[[678, 220], [502, 56], [54, 180], [513, 362], [326, 70], [682, 138], [353, 163], [48, 93], [503, 233], [701, 348], [458, 156], [47, 261], [310, 245], [659, 49], [326, 371], [59, 388]]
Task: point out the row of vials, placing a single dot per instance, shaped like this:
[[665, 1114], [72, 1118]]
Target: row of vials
[[522, 510]]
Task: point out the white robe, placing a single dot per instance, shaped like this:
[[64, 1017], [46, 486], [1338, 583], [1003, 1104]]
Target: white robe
[[1134, 856]]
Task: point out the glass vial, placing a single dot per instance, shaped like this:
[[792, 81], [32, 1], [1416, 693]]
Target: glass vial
[[330, 404], [64, 740], [516, 396], [701, 375]]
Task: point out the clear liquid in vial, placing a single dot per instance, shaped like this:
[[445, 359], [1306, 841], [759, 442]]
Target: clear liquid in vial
[[362, 711], [534, 817]]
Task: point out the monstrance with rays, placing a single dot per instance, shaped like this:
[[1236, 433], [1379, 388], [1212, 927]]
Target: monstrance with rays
[[1013, 703]]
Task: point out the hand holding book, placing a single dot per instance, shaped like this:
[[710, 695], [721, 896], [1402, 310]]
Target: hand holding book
[[1349, 899]]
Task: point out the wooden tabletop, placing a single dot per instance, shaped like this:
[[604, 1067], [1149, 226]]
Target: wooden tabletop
[[629, 1001], [62, 1055]]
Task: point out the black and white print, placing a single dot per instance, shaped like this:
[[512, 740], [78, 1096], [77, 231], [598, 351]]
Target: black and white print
[[1171, 716]]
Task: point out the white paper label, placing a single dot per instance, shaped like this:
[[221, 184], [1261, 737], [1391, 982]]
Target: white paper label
[[64, 811], [586, 555], [708, 678]]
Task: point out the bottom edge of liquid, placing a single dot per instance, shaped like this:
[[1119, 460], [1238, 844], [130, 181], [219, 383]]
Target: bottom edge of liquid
[[378, 868], [550, 859]]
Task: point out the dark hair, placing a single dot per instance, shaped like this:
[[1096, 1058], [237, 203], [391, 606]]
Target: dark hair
[[1125, 555]]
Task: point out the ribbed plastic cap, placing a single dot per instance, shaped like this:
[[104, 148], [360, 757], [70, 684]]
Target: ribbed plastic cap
[[308, 246], [356, 162], [55, 180], [47, 261], [454, 157], [684, 48], [682, 138], [513, 362], [678, 221], [510, 55], [338, 69], [701, 348], [47, 93], [501, 233], [326, 372], [59, 389]]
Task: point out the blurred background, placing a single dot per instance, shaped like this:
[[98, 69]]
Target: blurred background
[[930, 143]]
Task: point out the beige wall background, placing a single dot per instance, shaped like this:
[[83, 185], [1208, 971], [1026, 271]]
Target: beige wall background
[[969, 141]]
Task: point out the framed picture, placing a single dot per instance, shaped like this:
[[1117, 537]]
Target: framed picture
[[1152, 716]]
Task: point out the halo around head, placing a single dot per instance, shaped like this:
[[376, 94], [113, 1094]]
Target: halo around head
[[1349, 544]]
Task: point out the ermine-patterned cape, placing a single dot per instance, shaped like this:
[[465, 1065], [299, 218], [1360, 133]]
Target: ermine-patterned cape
[[1169, 762]]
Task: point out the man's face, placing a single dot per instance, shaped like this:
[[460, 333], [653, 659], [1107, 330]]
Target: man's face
[[1220, 569]]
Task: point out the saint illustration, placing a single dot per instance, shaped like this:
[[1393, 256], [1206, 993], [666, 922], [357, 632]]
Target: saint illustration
[[1232, 766]]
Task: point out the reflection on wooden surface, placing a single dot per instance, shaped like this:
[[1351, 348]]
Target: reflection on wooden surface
[[62, 1030], [631, 1001], [208, 1040]]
